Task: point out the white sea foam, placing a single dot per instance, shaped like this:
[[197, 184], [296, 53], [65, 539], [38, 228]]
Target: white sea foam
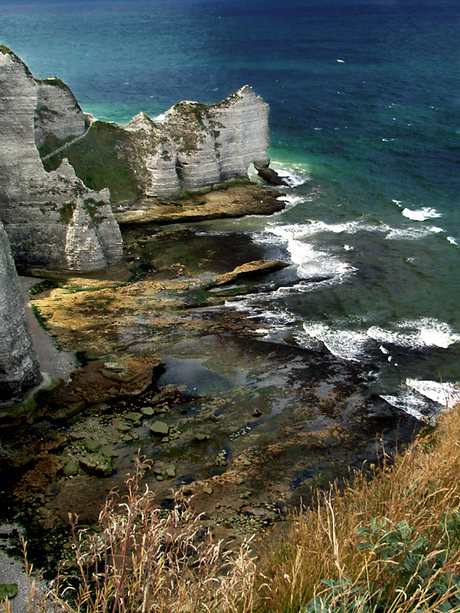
[[445, 394], [416, 334], [310, 261], [291, 201], [453, 240], [409, 233], [413, 404], [293, 174], [160, 117], [421, 214], [345, 344]]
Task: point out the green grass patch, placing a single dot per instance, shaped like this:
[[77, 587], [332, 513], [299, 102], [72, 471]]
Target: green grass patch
[[103, 158], [39, 317], [38, 288]]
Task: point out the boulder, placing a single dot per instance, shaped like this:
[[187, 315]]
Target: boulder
[[269, 175]]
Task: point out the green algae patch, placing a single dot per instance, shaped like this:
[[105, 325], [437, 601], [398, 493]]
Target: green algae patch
[[103, 158], [8, 590]]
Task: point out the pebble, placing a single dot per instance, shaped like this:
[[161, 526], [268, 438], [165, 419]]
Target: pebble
[[207, 490], [148, 411], [159, 427], [201, 436], [133, 416]]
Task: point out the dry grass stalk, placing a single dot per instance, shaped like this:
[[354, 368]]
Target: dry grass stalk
[[147, 561], [422, 489]]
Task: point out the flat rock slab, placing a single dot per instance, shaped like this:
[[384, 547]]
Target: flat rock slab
[[100, 382], [249, 269], [234, 201]]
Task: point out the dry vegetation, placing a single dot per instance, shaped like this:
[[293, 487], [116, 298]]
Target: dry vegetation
[[382, 545]]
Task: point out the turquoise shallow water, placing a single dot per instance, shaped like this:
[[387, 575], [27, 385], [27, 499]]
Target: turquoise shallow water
[[365, 102]]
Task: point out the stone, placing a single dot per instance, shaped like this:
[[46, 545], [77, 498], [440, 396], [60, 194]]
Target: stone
[[90, 444], [134, 416], [170, 470], [96, 463], [201, 436], [71, 468], [147, 411], [159, 428], [8, 590], [246, 494], [108, 451], [207, 490]]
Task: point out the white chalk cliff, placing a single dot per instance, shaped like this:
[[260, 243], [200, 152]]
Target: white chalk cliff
[[19, 366], [57, 112], [59, 205], [46, 215], [198, 145]]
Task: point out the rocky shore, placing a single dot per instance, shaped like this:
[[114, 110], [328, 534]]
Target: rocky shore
[[243, 427]]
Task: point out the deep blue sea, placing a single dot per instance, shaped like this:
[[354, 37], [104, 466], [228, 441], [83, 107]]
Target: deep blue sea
[[365, 122]]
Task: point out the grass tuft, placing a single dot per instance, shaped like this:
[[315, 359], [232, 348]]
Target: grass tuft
[[147, 560]]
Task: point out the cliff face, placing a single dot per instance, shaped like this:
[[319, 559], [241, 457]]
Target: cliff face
[[53, 220], [195, 146], [199, 145], [57, 113], [59, 208], [19, 367]]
